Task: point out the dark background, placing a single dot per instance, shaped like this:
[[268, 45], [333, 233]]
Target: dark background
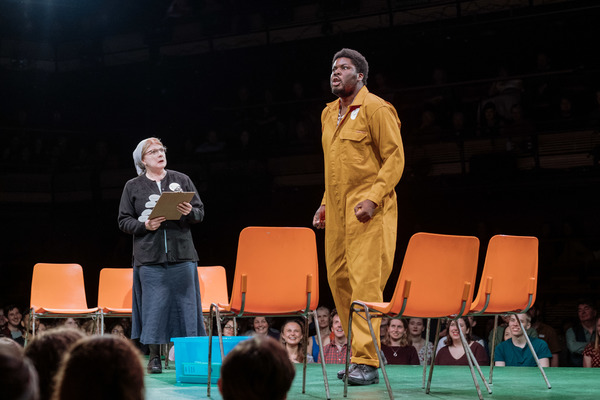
[[81, 84]]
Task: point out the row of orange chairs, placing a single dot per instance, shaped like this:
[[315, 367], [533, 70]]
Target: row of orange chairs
[[276, 273], [57, 291]]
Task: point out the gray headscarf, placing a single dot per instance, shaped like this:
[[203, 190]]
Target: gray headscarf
[[137, 158]]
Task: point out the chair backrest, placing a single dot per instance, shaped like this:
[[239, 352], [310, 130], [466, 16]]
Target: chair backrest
[[438, 273], [509, 274], [213, 286], [114, 288], [58, 286], [278, 268]]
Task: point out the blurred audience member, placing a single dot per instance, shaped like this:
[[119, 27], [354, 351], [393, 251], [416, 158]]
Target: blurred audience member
[[262, 326], [46, 351], [256, 369], [18, 378], [547, 334], [322, 323], [591, 353], [416, 327], [580, 334], [101, 368]]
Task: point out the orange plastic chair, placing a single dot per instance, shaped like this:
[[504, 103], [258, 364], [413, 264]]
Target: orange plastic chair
[[508, 283], [213, 286], [276, 274], [114, 293], [436, 281], [58, 291]]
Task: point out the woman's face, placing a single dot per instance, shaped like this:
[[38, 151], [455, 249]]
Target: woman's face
[[261, 326], [155, 157], [415, 326], [507, 334], [229, 329], [292, 333], [323, 318], [118, 330], [71, 323], [453, 329], [396, 329]]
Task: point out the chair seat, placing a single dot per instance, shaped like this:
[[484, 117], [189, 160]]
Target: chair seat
[[43, 310], [384, 307], [108, 310]]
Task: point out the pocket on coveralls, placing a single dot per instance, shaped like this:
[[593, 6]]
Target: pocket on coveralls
[[354, 148]]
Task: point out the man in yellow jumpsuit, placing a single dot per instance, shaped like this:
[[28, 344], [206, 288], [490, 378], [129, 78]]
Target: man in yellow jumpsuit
[[364, 160]]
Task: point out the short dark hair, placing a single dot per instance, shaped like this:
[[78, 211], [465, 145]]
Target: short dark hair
[[101, 367], [18, 377], [256, 369], [359, 61], [46, 350]]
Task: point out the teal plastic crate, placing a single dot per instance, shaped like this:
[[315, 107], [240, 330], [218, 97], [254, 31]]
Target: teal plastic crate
[[191, 357]]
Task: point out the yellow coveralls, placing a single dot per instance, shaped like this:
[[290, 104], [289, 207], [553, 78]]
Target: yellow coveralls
[[364, 159]]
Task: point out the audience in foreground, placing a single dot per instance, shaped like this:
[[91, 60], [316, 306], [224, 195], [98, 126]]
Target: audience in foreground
[[256, 369], [101, 368], [46, 351], [18, 378]]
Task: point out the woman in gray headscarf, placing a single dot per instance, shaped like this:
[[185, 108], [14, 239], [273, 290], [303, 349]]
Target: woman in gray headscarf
[[166, 292]]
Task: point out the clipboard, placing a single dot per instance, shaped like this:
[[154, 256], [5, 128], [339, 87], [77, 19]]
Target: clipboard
[[166, 206]]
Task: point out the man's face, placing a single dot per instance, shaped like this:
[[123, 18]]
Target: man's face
[[344, 77], [515, 328], [14, 317], [336, 327], [585, 312]]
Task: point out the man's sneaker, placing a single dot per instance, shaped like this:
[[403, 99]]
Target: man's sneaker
[[363, 375]]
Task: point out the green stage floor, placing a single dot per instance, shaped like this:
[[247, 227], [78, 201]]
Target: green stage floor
[[448, 383]]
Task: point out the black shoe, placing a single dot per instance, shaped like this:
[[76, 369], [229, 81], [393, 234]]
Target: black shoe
[[154, 365], [363, 375], [342, 372]]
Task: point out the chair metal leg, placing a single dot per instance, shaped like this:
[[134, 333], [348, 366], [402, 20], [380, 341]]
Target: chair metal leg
[[426, 352], [320, 342], [437, 336], [367, 318], [379, 353], [210, 335], [535, 357], [305, 333], [348, 347], [470, 360], [492, 351], [476, 364]]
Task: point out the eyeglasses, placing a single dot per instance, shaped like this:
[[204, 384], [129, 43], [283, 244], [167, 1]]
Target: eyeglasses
[[228, 327], [162, 150]]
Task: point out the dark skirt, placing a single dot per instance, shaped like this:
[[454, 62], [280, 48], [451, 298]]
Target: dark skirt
[[166, 303]]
